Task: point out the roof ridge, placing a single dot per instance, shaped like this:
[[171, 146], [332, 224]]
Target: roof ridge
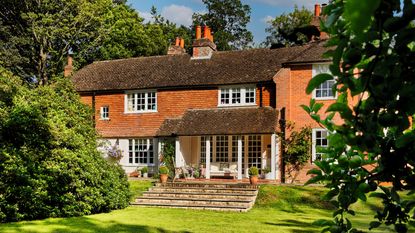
[[139, 58]]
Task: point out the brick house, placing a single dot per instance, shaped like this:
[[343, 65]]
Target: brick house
[[221, 109]]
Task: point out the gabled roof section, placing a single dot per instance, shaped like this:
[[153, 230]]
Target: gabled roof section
[[232, 121], [311, 54], [223, 68]]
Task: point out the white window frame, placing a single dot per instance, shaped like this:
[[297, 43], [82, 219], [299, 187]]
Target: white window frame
[[318, 70], [314, 141], [102, 113], [149, 142], [243, 89], [135, 93]]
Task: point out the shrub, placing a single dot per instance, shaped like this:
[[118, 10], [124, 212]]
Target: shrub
[[49, 162], [163, 170], [144, 170], [253, 171]]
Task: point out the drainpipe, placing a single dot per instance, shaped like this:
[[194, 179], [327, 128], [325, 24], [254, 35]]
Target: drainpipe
[[93, 108]]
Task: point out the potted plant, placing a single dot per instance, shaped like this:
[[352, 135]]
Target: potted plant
[[144, 171], [266, 173], [253, 175], [164, 174]]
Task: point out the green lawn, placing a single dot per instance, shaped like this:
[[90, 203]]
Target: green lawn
[[278, 209]]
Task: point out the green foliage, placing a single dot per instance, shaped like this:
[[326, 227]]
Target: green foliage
[[37, 35], [253, 171], [373, 50], [228, 20], [49, 164], [144, 170], [297, 150], [168, 156], [289, 29], [163, 170]]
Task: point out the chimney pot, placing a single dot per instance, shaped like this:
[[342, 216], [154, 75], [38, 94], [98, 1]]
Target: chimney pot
[[205, 32], [69, 67], [317, 10], [198, 32], [182, 43], [177, 41]]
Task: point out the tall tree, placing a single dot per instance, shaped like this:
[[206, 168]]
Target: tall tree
[[37, 35], [228, 20], [373, 50], [290, 29]]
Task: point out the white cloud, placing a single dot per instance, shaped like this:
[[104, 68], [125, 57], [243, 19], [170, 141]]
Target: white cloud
[[146, 16], [267, 19], [181, 15]]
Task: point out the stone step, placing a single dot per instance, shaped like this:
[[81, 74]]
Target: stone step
[[193, 202], [204, 190], [199, 207], [207, 185], [200, 195]]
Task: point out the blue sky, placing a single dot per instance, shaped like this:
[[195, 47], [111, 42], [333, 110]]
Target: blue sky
[[180, 11]]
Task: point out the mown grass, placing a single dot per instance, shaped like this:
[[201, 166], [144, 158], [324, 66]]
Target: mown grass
[[278, 209]]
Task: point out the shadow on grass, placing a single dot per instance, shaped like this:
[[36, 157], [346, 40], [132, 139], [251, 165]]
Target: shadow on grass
[[295, 225], [83, 224]]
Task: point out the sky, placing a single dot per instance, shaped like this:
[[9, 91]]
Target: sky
[[180, 11]]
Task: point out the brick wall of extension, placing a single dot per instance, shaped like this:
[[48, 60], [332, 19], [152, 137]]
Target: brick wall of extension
[[170, 104], [291, 84]]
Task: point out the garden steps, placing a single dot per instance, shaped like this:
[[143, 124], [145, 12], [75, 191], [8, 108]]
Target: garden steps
[[209, 196], [241, 196]]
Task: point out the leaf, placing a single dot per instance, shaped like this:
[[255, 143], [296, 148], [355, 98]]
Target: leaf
[[316, 81], [374, 224], [306, 108], [359, 14], [342, 108], [314, 171]]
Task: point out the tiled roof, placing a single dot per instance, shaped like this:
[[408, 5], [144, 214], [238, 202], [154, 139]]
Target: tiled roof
[[227, 121], [229, 67]]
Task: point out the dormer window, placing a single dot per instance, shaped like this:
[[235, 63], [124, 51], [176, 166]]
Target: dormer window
[[237, 96], [141, 101]]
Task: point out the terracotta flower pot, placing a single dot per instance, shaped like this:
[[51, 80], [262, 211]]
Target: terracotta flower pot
[[163, 178], [253, 180]]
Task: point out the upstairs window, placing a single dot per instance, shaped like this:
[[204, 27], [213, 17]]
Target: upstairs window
[[144, 101], [105, 113], [237, 96], [325, 90]]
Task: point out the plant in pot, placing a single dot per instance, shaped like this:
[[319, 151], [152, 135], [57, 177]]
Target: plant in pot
[[266, 173], [164, 174], [144, 171], [253, 175]]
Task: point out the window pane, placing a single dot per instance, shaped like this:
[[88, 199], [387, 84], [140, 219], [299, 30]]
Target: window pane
[[151, 101], [222, 149], [130, 151], [254, 151], [224, 96], [236, 95], [141, 101], [250, 95]]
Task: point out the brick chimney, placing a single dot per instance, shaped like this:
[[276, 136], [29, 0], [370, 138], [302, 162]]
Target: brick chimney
[[177, 48], [203, 47], [68, 70], [316, 21]]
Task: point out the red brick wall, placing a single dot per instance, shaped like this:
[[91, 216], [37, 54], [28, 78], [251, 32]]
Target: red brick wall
[[290, 93], [170, 104]]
